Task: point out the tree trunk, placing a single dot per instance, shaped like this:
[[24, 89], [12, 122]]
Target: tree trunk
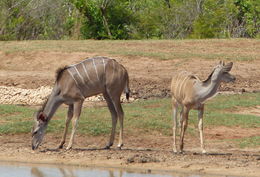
[[168, 3], [103, 13], [199, 6]]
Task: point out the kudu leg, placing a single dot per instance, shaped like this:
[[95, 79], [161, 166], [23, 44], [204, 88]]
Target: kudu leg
[[180, 119], [68, 119], [114, 120], [76, 113], [200, 127], [184, 125], [120, 116], [174, 115]]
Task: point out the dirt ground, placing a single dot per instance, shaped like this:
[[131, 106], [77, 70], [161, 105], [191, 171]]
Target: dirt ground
[[148, 78], [145, 153]]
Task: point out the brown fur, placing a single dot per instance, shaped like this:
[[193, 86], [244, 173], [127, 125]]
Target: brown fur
[[189, 92], [75, 83], [59, 72]]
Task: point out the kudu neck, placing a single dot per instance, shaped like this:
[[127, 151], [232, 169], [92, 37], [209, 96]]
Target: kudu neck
[[51, 105], [209, 88]]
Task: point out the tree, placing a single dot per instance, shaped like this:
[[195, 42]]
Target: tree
[[105, 18], [103, 9], [248, 18], [177, 21], [228, 18], [33, 19], [128, 19]]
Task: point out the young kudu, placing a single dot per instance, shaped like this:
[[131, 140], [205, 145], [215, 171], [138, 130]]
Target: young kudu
[[76, 82], [189, 92]]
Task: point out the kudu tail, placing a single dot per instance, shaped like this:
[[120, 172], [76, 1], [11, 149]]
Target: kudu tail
[[127, 89], [127, 94]]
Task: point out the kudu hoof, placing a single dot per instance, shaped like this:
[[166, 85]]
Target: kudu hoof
[[181, 152], [175, 151], [204, 151], [68, 148], [108, 146], [120, 146]]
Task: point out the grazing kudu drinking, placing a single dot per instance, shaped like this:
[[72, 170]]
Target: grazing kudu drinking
[[189, 92], [76, 82]]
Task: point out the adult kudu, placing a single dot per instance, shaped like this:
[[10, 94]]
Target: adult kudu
[[189, 92], [76, 82]]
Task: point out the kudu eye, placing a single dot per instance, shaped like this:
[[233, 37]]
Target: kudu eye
[[34, 133]]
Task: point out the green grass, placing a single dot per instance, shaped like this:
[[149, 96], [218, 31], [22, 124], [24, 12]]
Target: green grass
[[143, 116], [217, 49], [217, 111], [15, 119], [248, 142]]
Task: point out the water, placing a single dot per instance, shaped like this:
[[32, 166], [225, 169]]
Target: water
[[36, 170]]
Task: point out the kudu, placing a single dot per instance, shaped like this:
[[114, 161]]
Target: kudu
[[189, 92], [76, 82]]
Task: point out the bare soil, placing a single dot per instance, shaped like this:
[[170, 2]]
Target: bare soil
[[148, 78], [141, 152]]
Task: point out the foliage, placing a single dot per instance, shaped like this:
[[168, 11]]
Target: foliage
[[34, 19], [211, 23], [147, 15], [115, 13], [249, 16], [229, 18], [177, 21], [128, 19]]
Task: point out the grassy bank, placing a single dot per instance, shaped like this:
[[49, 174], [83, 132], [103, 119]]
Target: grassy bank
[[234, 49], [143, 116]]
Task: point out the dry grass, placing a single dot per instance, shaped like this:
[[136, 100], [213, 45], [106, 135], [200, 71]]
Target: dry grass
[[235, 49]]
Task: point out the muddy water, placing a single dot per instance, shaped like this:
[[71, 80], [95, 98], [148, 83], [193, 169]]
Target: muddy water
[[36, 170]]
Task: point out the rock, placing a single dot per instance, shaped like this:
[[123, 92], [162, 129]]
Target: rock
[[13, 95]]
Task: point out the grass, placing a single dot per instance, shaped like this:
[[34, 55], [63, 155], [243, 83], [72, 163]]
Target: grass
[[217, 111], [144, 116], [15, 119], [248, 142], [228, 49]]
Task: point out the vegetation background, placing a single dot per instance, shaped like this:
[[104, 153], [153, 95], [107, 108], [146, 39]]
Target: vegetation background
[[128, 19], [133, 19], [56, 29]]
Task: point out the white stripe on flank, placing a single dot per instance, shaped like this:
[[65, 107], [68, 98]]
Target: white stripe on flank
[[77, 84], [176, 80], [95, 68], [113, 69], [79, 74], [85, 69], [73, 77], [103, 64], [181, 85]]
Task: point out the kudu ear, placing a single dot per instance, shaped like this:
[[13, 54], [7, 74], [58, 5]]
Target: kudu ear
[[42, 117], [228, 67], [221, 63]]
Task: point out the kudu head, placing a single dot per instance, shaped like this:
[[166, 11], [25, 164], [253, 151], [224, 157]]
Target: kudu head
[[39, 128], [221, 73]]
